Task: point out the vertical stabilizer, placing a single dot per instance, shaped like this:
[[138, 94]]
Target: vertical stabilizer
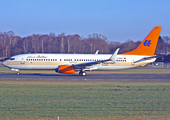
[[149, 44]]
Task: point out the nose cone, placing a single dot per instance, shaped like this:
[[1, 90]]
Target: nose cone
[[4, 63]]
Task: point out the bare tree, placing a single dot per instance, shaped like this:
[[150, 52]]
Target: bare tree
[[11, 44], [61, 39], [167, 41], [68, 43]]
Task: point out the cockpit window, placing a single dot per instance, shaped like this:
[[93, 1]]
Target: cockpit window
[[12, 58]]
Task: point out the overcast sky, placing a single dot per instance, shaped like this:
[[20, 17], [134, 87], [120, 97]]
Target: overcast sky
[[118, 20]]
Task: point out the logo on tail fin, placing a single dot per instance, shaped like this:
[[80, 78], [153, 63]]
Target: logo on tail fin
[[147, 43]]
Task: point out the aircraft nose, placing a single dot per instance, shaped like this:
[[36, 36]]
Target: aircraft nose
[[4, 63]]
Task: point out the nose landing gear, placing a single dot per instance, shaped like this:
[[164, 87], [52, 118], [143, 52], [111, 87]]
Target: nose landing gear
[[16, 70]]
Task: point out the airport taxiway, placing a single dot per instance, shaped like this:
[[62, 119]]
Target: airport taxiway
[[88, 77]]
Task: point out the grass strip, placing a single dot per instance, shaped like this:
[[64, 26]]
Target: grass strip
[[91, 100]]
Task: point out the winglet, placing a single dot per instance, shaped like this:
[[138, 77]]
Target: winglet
[[112, 58], [97, 52], [148, 46]]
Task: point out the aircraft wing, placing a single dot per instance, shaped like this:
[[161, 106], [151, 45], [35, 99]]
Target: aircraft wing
[[89, 63], [83, 65]]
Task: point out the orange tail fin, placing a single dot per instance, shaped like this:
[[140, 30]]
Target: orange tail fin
[[148, 46]]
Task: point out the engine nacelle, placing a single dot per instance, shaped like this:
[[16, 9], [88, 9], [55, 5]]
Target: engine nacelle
[[66, 69]]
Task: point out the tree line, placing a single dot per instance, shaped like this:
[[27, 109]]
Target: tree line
[[10, 44]]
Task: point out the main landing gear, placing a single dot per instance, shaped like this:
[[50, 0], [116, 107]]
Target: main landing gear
[[82, 73]]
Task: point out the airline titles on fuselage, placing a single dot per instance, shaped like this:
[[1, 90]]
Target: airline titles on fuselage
[[39, 56]]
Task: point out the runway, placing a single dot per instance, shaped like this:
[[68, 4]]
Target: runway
[[88, 77]]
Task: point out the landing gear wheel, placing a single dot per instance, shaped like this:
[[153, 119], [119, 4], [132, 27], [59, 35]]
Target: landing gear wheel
[[82, 73]]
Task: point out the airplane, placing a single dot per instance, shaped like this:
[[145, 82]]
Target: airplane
[[71, 63]]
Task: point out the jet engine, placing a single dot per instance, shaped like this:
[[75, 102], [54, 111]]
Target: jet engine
[[66, 69]]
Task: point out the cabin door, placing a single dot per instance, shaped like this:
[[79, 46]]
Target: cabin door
[[22, 60], [133, 61]]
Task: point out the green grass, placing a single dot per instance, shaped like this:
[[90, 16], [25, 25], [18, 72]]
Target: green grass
[[91, 100]]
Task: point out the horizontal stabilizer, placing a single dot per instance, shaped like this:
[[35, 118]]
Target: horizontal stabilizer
[[148, 58]]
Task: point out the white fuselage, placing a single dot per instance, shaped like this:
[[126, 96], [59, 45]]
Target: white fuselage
[[52, 61]]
